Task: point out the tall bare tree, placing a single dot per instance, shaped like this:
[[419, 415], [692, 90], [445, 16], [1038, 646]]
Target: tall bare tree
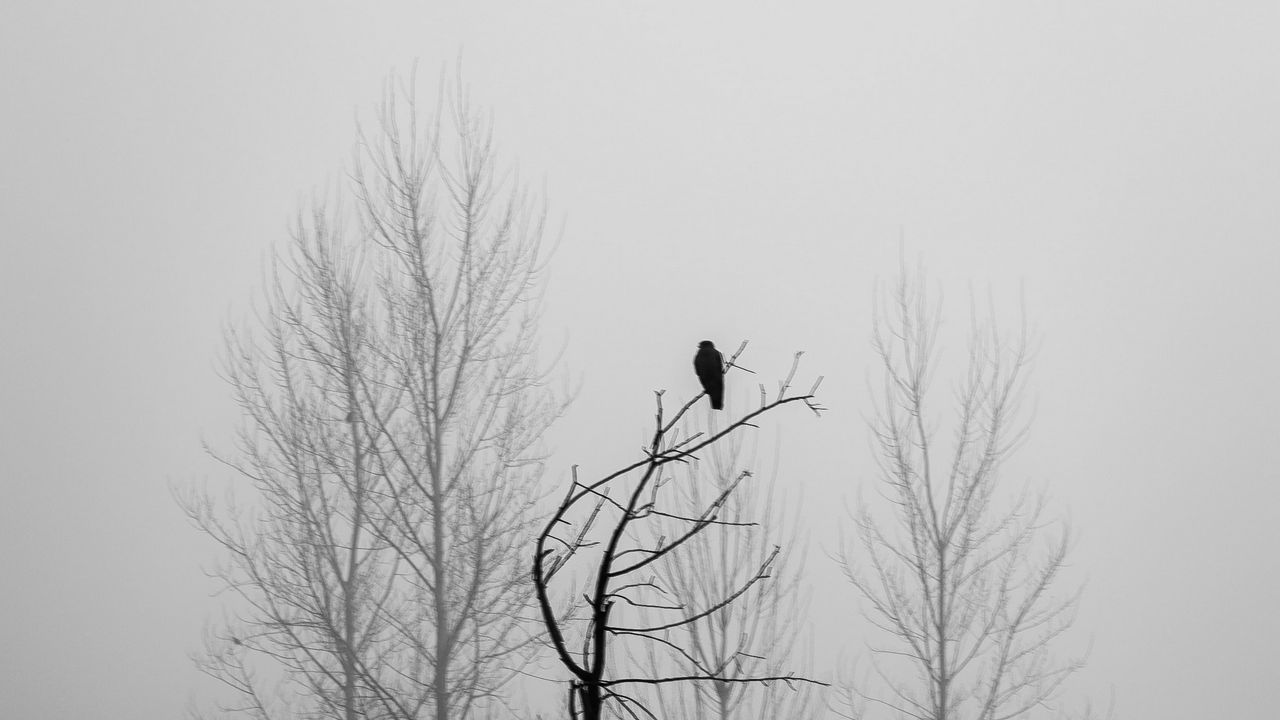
[[462, 250], [758, 636], [613, 526], [394, 411], [959, 571]]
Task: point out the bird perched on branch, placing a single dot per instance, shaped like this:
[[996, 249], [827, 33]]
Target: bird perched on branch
[[709, 366]]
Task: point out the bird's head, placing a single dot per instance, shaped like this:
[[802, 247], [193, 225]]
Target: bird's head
[[706, 344]]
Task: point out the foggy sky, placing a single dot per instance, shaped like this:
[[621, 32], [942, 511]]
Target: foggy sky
[[720, 171]]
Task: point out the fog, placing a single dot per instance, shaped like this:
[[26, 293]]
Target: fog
[[718, 171]]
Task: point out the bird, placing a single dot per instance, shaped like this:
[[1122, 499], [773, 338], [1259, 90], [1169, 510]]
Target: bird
[[709, 365]]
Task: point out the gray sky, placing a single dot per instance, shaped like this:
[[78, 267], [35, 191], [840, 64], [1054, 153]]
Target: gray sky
[[722, 171]]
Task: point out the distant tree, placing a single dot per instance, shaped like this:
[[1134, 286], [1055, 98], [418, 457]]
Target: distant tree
[[462, 250], [393, 409], [614, 526], [959, 571]]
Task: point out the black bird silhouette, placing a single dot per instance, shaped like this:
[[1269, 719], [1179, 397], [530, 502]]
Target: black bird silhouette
[[710, 368]]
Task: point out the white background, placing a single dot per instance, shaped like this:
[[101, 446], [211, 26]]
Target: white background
[[721, 171]]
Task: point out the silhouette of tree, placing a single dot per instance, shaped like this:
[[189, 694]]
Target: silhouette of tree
[[608, 525]]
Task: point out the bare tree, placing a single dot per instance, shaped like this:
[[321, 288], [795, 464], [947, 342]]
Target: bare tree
[[759, 635], [959, 575], [610, 525], [462, 246], [395, 411]]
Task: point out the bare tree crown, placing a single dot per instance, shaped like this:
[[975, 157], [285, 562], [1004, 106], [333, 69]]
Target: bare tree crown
[[394, 405], [606, 520], [951, 572]]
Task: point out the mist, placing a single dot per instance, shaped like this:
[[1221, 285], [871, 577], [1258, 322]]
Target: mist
[[1105, 172]]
